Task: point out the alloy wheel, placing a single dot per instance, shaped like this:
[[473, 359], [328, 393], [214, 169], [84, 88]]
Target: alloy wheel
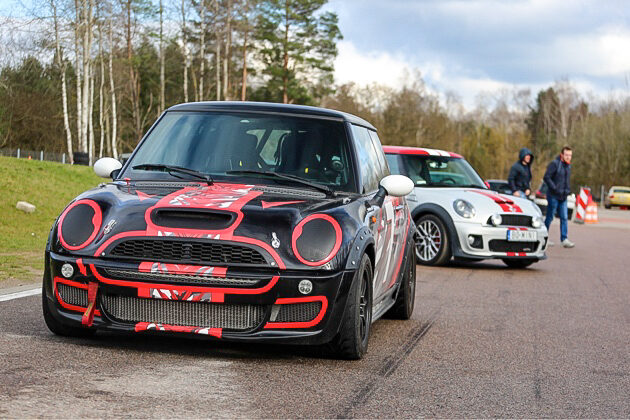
[[430, 241]]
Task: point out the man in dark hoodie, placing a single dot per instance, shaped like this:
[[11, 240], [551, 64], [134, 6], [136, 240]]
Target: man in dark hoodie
[[558, 178], [521, 174]]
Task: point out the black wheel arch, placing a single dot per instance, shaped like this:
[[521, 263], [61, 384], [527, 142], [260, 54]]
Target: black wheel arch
[[363, 244], [438, 211]]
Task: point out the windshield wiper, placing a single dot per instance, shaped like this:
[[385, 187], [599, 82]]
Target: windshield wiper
[[179, 169], [285, 177]]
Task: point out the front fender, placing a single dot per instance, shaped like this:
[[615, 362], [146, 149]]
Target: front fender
[[362, 240], [431, 208]]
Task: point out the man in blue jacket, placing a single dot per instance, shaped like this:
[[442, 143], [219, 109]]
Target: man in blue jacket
[[521, 174], [558, 178]]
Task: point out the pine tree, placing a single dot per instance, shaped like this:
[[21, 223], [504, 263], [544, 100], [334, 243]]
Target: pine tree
[[297, 47]]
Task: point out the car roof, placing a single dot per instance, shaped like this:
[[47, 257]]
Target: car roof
[[273, 108], [501, 181], [404, 150]]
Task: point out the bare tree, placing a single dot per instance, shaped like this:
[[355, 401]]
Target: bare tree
[[185, 49], [112, 92], [161, 51], [64, 95], [217, 50], [228, 45], [202, 48]]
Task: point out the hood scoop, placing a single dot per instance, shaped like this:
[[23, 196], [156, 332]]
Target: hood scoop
[[200, 219]]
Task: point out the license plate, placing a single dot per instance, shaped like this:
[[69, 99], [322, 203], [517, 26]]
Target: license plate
[[522, 236]]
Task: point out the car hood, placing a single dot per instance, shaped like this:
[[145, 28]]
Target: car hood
[[486, 202], [260, 215]]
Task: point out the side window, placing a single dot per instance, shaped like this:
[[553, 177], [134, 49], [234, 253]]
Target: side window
[[394, 164], [269, 150], [368, 160], [376, 142]]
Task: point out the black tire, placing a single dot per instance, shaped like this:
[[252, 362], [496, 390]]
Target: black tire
[[352, 340], [608, 206], [59, 329], [443, 253], [519, 263], [403, 308]]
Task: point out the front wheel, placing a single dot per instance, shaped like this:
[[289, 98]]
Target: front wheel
[[433, 246], [526, 262], [352, 340]]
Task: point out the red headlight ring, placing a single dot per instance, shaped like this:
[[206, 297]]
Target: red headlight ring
[[97, 220], [297, 232]]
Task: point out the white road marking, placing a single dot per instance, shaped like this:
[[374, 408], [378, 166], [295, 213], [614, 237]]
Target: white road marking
[[21, 294]]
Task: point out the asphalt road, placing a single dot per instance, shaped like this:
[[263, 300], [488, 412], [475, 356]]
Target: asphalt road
[[484, 341]]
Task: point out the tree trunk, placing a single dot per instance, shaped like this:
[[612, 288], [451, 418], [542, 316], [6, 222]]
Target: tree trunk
[[162, 101], [64, 95], [77, 68], [112, 90], [100, 92], [185, 51], [87, 18], [91, 120], [202, 50], [217, 50], [134, 81], [244, 82], [226, 59], [285, 67]]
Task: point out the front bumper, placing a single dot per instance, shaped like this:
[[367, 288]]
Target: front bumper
[[270, 309], [494, 242]]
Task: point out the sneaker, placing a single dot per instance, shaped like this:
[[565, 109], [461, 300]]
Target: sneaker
[[550, 243], [567, 243]]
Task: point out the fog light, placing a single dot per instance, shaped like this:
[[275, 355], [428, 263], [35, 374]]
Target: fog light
[[305, 287], [496, 219], [67, 270], [471, 239]]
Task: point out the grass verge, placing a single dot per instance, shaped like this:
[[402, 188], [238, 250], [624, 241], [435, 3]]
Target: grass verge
[[50, 187]]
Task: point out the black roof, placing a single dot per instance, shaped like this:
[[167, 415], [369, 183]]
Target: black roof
[[268, 107]]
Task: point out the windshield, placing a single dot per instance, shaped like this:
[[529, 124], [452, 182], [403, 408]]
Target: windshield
[[221, 144], [441, 171]]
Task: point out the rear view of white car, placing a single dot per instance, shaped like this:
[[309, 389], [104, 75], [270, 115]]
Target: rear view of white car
[[458, 216]]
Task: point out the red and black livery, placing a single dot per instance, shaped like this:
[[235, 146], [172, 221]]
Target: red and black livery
[[242, 257]]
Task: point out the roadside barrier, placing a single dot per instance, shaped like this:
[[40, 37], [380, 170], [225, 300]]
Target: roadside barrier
[[583, 198], [591, 213]]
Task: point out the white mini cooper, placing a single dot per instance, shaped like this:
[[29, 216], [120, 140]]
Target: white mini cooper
[[458, 216]]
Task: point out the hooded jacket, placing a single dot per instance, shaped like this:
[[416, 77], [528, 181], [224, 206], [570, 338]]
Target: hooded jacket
[[520, 175], [558, 179]]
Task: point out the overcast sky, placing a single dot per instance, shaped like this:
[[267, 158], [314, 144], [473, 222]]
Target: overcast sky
[[472, 46]]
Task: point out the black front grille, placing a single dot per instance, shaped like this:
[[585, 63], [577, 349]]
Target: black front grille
[[73, 295], [187, 251], [298, 312], [514, 220], [183, 313], [501, 245]]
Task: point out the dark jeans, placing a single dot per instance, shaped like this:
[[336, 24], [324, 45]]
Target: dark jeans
[[554, 205]]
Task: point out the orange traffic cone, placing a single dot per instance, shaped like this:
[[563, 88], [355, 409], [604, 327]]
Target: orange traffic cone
[[591, 213]]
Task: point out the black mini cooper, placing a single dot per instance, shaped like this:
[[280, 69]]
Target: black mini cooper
[[238, 221]]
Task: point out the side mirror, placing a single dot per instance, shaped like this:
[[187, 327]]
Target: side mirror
[[397, 185], [105, 166], [394, 185]]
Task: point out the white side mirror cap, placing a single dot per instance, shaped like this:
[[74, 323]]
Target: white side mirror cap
[[397, 185], [105, 166]]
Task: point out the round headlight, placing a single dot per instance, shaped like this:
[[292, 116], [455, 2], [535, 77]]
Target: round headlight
[[316, 239], [464, 208], [79, 224], [496, 219], [537, 222]]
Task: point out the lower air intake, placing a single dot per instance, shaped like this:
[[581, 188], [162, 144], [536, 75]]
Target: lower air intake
[[173, 312], [73, 295], [500, 245], [298, 312]]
